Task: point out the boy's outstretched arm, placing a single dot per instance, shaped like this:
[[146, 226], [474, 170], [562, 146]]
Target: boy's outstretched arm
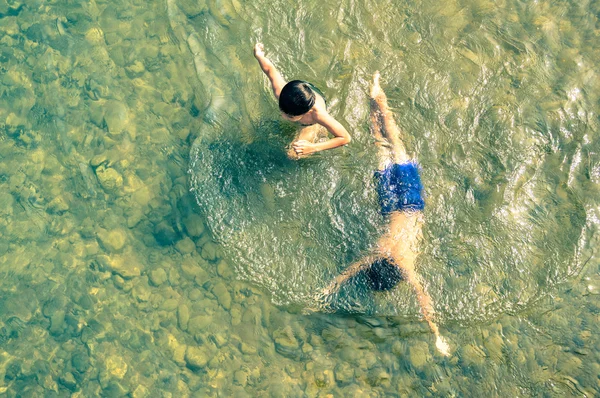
[[267, 66], [340, 137]]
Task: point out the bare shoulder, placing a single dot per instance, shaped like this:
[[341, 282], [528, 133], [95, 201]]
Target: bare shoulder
[[320, 107], [323, 117]]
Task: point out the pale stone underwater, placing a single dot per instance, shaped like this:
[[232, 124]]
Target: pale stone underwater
[[112, 283]]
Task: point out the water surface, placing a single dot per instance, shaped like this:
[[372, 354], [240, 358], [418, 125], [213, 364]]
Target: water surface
[[117, 280]]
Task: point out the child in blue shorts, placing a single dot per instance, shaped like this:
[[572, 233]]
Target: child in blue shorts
[[401, 198]]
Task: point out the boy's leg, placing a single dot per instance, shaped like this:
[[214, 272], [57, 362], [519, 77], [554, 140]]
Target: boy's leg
[[385, 153], [384, 124]]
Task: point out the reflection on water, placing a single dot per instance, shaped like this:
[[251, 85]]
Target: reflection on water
[[113, 281]]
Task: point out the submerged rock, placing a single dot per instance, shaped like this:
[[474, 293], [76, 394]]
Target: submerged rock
[[183, 316], [198, 323], [185, 246], [331, 333], [169, 305], [125, 266], [224, 269], [116, 366], [81, 361], [378, 377], [196, 358], [95, 36], [136, 69], [192, 8], [220, 339], [248, 349], [116, 117], [236, 314], [6, 203], [114, 389], [141, 391], [323, 378], [58, 205], [240, 377], [398, 348], [112, 241], [191, 268], [419, 355], [344, 373], [252, 316], [57, 323], [286, 343], [209, 251], [165, 234], [158, 277], [195, 294], [222, 294], [194, 225], [109, 178], [68, 381], [55, 303], [472, 355]]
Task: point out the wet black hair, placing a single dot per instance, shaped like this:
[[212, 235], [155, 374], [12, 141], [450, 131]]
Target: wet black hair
[[296, 98], [383, 275]]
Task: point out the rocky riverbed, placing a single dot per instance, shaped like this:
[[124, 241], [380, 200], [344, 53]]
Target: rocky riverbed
[[112, 284]]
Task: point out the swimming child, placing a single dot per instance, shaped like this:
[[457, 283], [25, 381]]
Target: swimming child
[[400, 196], [301, 102]]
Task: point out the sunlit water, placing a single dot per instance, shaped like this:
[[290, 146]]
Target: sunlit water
[[496, 120], [157, 241]]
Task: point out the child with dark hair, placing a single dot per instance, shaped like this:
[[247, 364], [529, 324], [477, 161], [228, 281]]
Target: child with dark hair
[[301, 102], [400, 195]]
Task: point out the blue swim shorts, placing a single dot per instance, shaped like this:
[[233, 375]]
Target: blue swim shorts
[[400, 188]]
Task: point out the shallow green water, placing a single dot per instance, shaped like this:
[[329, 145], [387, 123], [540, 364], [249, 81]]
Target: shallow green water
[[117, 280]]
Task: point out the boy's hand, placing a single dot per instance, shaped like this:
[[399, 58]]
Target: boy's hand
[[442, 346], [303, 147], [259, 50], [269, 69]]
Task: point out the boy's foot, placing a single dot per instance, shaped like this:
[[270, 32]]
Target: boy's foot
[[375, 87], [377, 94]]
